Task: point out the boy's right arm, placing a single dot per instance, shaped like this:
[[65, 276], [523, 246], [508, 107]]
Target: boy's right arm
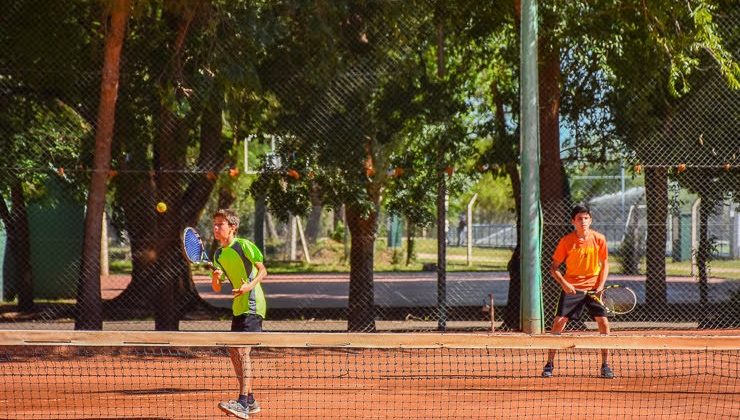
[[216, 280]]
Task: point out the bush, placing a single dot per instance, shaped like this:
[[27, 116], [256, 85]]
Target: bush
[[338, 233]]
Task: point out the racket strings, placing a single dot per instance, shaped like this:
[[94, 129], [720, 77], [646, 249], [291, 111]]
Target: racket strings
[[193, 246], [618, 299]]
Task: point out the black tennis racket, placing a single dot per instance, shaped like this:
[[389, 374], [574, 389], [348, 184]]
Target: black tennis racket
[[616, 299], [195, 252]]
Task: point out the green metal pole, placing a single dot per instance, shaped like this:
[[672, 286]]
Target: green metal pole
[[531, 237]]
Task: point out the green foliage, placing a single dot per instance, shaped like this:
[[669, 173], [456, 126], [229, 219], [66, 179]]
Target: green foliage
[[354, 91], [45, 105], [495, 202], [648, 101], [709, 38], [373, 95], [44, 138], [338, 233]]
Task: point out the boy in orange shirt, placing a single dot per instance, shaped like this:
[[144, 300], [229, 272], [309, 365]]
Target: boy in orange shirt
[[585, 254]]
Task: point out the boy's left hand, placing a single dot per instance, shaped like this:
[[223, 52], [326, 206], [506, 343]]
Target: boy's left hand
[[242, 290]]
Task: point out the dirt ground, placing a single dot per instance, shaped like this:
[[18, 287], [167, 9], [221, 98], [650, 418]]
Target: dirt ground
[[317, 383]]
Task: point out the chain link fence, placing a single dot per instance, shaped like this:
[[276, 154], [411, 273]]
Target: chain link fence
[[350, 137]]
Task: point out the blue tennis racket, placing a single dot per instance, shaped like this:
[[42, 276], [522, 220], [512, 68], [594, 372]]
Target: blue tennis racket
[[195, 252]]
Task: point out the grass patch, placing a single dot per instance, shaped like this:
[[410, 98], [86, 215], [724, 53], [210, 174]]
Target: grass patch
[[723, 269], [328, 256]]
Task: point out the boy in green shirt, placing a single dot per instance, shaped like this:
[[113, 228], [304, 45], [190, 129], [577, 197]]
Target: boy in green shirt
[[242, 262]]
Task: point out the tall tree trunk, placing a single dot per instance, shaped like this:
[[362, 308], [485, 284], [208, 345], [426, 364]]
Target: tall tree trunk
[[656, 196], [511, 316], [157, 261], [628, 250], [89, 301], [8, 268], [313, 224], [410, 243], [656, 190], [259, 221], [554, 191], [161, 279], [17, 270], [361, 316], [703, 256], [170, 156], [271, 228], [22, 235]]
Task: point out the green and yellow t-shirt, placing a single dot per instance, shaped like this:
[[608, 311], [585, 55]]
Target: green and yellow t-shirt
[[582, 258], [237, 262]]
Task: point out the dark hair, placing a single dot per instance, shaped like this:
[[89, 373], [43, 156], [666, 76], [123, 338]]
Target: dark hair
[[579, 208], [230, 215]]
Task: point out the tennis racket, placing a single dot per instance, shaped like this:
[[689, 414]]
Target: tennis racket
[[195, 252], [616, 299]]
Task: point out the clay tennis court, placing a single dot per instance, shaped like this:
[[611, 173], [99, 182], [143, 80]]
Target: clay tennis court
[[66, 382]]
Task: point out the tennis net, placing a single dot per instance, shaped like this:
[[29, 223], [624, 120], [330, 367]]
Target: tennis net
[[76, 374]]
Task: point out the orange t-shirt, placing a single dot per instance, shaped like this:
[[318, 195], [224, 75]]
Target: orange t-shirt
[[582, 258]]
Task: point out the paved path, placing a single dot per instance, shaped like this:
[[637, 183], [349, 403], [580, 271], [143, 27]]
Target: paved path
[[419, 289]]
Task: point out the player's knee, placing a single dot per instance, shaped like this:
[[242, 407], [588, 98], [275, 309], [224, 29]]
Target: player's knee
[[603, 323], [558, 324]]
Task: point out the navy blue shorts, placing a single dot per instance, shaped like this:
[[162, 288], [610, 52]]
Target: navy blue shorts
[[571, 306], [246, 323]]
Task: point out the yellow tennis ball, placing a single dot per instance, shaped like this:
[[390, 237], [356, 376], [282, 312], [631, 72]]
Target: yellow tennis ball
[[161, 207]]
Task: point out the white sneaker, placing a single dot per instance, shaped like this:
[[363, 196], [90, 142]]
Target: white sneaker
[[234, 408], [254, 407]]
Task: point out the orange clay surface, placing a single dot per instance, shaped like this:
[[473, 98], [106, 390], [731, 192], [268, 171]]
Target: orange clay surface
[[166, 383]]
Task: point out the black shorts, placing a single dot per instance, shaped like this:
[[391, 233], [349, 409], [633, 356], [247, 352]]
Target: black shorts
[[246, 323], [571, 306]]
